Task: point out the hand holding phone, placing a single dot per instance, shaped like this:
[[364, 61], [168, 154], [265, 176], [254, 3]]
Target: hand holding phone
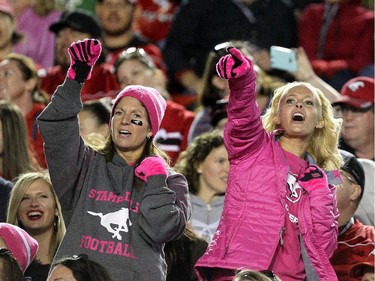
[[283, 58]]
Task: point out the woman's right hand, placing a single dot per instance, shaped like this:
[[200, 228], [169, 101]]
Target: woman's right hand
[[234, 64], [83, 56], [305, 70]]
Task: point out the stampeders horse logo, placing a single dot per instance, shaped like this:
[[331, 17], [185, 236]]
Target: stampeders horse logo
[[119, 219], [294, 190], [354, 86]]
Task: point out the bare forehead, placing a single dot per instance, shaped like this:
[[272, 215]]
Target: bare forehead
[[301, 91]]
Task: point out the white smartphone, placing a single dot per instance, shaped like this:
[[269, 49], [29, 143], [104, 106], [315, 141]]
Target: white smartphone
[[283, 58]]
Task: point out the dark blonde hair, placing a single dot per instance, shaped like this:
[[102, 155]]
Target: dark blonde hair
[[195, 154]]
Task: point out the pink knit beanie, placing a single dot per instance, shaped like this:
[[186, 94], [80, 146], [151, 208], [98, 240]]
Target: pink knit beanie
[[150, 98], [20, 243]]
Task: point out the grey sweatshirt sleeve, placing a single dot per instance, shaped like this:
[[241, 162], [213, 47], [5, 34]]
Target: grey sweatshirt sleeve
[[64, 148], [165, 208]]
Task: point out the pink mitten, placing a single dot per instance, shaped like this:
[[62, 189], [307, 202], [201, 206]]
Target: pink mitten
[[233, 65], [151, 166], [83, 56], [313, 178]]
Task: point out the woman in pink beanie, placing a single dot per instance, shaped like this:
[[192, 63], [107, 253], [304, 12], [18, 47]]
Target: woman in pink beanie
[[121, 202], [19, 243]]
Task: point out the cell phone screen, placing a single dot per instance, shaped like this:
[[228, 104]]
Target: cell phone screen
[[283, 58]]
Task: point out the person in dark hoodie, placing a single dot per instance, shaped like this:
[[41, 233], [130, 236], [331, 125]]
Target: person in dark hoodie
[[121, 202]]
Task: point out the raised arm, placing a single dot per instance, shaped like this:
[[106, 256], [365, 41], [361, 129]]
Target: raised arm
[[58, 123], [244, 132]]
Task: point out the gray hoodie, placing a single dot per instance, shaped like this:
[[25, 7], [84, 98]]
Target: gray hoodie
[[112, 216]]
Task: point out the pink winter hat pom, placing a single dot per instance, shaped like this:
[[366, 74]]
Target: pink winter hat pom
[[150, 98], [20, 243]]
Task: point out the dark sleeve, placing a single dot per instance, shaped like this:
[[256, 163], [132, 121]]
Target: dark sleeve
[[182, 41], [67, 156], [5, 189], [164, 209]]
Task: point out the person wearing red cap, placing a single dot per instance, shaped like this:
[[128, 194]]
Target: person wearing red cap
[[356, 107], [121, 201], [338, 37], [22, 246]]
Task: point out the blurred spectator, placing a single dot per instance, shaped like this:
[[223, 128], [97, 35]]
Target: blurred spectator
[[338, 37], [355, 240], [19, 83], [70, 5], [182, 254], [78, 268], [200, 25], [21, 245], [15, 152], [300, 5], [19, 6], [33, 23], [34, 206], [135, 67], [356, 107], [365, 211], [305, 72], [116, 18], [72, 26], [9, 35], [94, 122], [153, 19], [205, 166]]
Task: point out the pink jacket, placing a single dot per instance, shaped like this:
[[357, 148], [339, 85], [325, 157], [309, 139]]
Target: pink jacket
[[253, 216]]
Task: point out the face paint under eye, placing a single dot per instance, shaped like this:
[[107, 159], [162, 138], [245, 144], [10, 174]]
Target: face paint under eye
[[136, 122]]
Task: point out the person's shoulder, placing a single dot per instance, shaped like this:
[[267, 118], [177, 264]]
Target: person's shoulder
[[5, 185], [365, 228], [314, 8]]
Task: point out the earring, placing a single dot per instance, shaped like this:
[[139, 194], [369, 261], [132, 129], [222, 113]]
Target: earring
[[56, 222]]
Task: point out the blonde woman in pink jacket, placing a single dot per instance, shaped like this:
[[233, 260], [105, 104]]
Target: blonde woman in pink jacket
[[280, 209]]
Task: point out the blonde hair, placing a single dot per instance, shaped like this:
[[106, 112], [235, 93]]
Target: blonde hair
[[23, 182], [323, 146]]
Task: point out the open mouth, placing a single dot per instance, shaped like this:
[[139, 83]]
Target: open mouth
[[34, 215], [298, 117], [124, 132]]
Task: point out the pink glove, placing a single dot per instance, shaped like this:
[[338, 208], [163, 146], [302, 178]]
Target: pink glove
[[83, 56], [151, 166], [233, 65], [313, 178]]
